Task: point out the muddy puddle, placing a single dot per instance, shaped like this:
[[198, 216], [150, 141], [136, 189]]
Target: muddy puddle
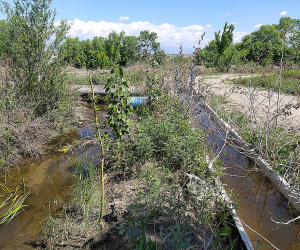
[[260, 202], [50, 183]]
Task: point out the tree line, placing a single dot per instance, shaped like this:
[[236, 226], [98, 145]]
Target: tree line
[[267, 45], [116, 49]]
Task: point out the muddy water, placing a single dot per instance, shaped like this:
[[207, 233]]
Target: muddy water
[[50, 184], [260, 201]]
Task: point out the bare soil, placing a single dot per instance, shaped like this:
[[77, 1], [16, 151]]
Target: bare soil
[[264, 102]]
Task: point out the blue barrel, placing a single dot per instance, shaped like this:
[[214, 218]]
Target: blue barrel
[[137, 100]]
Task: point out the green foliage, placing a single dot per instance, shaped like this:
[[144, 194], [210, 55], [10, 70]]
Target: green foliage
[[116, 49], [291, 74], [12, 199], [153, 90], [168, 203], [289, 82], [220, 52], [273, 143], [225, 40], [117, 95], [13, 202], [32, 42], [291, 30], [272, 146], [84, 193], [172, 143], [149, 49], [264, 46]]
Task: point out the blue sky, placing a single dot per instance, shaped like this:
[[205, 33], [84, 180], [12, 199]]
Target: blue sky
[[175, 22]]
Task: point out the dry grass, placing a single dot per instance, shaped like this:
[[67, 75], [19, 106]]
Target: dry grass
[[22, 133]]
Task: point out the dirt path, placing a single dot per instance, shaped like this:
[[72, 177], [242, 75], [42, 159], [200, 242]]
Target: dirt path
[[260, 104]]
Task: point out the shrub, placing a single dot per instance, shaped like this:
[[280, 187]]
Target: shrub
[[32, 42]]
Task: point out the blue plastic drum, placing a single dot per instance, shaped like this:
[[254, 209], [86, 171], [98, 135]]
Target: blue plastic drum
[[137, 100]]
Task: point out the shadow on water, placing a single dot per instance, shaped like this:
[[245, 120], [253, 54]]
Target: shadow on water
[[260, 201], [50, 183]]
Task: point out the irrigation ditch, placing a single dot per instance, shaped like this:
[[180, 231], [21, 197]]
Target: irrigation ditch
[[267, 202], [50, 183]]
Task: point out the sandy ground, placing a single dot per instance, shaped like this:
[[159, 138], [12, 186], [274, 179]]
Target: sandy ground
[[264, 103]]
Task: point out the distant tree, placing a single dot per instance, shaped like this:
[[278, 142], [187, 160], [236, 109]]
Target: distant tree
[[264, 45], [71, 50], [225, 40], [113, 45], [290, 29], [219, 52], [129, 50], [147, 44], [116, 49]]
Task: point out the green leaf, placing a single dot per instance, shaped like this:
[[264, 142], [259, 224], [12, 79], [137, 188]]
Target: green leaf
[[124, 103], [130, 123], [118, 92], [120, 72]]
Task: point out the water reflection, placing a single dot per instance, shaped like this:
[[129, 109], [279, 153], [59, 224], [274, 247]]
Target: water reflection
[[50, 184], [260, 199]]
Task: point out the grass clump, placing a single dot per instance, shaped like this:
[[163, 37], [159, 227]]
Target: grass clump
[[289, 81], [84, 191], [170, 210]]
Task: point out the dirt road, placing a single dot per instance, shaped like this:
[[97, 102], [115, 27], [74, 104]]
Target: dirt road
[[262, 105]]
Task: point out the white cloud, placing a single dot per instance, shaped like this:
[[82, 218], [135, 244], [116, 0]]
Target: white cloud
[[168, 35], [226, 14], [258, 25], [208, 25], [124, 18], [233, 22], [237, 36], [283, 13]]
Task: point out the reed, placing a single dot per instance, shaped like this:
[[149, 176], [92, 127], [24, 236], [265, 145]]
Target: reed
[[101, 141], [12, 201]]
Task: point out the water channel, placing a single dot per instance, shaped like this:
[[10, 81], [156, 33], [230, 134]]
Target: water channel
[[260, 202], [50, 184]]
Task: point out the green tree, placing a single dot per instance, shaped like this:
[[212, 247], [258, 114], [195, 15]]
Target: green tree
[[129, 50], [33, 44], [225, 40], [148, 45], [113, 46], [220, 52], [118, 97], [3, 35], [263, 45], [71, 50], [291, 30]]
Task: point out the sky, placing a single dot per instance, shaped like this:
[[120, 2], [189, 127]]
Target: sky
[[176, 22]]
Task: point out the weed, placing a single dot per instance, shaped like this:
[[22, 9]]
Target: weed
[[84, 193], [120, 104]]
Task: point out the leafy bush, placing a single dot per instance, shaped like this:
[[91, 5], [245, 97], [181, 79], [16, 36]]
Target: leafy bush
[[291, 73], [32, 43]]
